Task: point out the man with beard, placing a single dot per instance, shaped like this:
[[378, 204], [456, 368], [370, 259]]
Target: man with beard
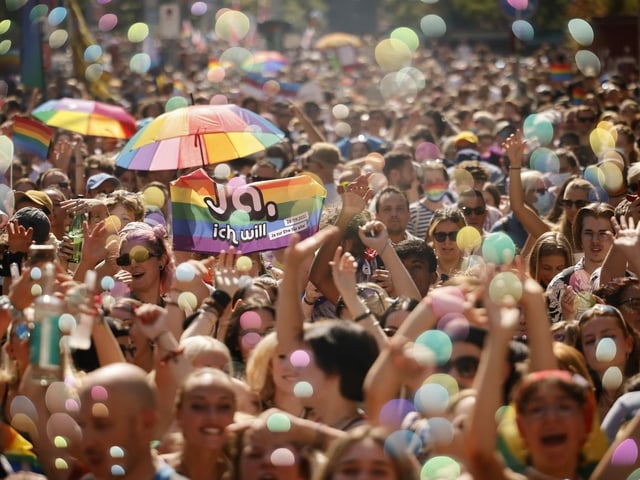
[[398, 168], [392, 209]]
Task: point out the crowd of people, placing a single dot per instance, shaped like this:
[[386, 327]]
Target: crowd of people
[[469, 307]]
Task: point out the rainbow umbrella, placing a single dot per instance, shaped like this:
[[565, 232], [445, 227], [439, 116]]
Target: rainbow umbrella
[[88, 117], [266, 62], [198, 135]]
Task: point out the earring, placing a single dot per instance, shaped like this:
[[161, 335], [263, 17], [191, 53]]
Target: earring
[[161, 267]]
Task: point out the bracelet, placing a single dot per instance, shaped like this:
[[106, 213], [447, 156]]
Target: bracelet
[[220, 301], [384, 248], [515, 168], [362, 316], [305, 300]]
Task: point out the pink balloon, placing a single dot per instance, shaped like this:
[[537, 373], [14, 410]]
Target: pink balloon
[[626, 453], [518, 4]]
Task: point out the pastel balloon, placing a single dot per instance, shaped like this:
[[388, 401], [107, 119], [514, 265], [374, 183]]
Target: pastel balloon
[[57, 16], [185, 272], [107, 22], [498, 248], [433, 26], [394, 411], [523, 30], [588, 62], [401, 441], [4, 26], [440, 468], [431, 399], [138, 32], [581, 31], [626, 453], [446, 300], [198, 9], [505, 285], [6, 153], [175, 102], [612, 378], [606, 350]]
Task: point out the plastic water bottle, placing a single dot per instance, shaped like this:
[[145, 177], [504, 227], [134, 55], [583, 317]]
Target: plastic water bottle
[[81, 337], [45, 338], [76, 235]]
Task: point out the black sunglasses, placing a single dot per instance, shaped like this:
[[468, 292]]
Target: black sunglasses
[[586, 119], [466, 365], [578, 203], [125, 259], [441, 237], [475, 211]]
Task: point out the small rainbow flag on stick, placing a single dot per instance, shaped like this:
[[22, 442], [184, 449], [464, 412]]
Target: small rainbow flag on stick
[[209, 217], [31, 136]]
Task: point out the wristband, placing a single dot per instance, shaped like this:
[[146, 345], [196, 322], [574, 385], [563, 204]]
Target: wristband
[[515, 168], [220, 301], [362, 316], [305, 300]]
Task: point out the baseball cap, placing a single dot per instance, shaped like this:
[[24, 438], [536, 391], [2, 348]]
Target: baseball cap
[[41, 199], [98, 179], [465, 136]]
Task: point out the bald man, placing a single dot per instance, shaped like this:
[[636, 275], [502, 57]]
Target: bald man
[[118, 418]]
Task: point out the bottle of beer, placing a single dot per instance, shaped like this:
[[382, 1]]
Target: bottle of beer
[[76, 236], [45, 338]]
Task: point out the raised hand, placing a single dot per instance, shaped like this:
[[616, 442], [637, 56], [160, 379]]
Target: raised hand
[[19, 238], [343, 269], [374, 235], [227, 276], [514, 147], [356, 194]]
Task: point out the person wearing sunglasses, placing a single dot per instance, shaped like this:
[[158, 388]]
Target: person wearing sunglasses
[[465, 357], [145, 256], [444, 228], [55, 178], [474, 208]]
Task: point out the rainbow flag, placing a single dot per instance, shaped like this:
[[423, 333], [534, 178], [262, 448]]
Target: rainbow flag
[[209, 217], [31, 136], [560, 72]]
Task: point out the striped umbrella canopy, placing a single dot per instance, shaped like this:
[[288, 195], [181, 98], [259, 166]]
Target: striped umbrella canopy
[[266, 61], [88, 117], [198, 135]]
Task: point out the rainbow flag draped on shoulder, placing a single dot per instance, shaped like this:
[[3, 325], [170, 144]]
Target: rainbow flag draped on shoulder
[[209, 217]]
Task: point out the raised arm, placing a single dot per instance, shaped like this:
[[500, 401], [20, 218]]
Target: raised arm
[[480, 441], [374, 235], [396, 366], [624, 251], [534, 308], [514, 149], [289, 315], [353, 202], [344, 269], [313, 134]]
